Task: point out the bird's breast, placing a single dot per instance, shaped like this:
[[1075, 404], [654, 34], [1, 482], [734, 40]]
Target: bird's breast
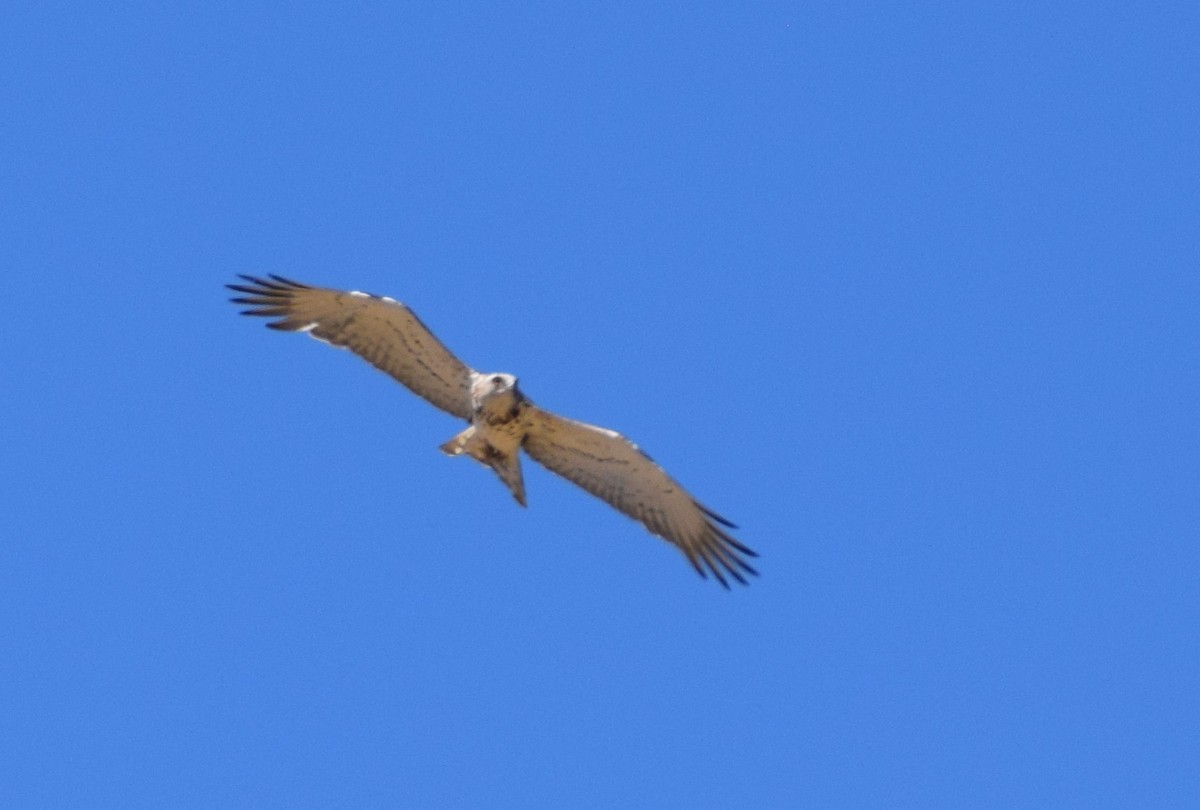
[[505, 434], [499, 420]]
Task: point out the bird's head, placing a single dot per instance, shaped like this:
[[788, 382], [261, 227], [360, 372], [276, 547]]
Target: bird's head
[[490, 387]]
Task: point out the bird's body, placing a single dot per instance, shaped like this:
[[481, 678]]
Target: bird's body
[[499, 422], [502, 421]]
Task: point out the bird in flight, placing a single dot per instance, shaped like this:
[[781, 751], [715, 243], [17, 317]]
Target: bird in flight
[[501, 419]]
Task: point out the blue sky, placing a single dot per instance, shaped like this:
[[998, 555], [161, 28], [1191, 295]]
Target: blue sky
[[907, 291]]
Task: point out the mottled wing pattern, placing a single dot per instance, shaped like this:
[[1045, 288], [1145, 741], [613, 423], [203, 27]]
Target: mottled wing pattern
[[382, 331], [611, 467]]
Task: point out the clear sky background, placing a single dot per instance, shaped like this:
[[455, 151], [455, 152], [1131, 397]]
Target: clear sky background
[[909, 292]]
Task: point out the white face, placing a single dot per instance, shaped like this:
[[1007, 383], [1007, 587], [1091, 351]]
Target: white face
[[489, 384]]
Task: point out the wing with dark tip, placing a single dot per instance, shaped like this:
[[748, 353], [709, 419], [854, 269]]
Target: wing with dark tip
[[384, 332], [612, 468]]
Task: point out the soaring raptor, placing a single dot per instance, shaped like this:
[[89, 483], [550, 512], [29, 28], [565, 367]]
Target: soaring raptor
[[501, 420]]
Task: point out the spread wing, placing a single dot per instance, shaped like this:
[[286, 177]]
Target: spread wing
[[611, 467], [384, 332]]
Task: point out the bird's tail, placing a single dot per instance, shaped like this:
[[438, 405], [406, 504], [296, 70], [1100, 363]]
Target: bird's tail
[[506, 465]]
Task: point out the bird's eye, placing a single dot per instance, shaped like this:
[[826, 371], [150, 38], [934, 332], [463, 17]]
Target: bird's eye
[[497, 380]]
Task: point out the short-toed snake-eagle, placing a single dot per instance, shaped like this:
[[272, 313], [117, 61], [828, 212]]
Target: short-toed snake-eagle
[[501, 419]]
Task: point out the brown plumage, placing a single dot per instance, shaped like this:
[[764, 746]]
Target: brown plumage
[[502, 420]]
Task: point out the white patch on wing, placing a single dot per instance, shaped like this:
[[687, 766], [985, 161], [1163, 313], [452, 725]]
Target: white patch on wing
[[359, 294], [308, 330], [390, 300], [612, 434]]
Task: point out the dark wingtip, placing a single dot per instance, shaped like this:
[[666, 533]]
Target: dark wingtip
[[714, 516], [728, 552], [712, 564], [749, 552], [731, 541], [289, 282], [266, 299], [272, 282], [242, 288], [717, 553], [735, 564]]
